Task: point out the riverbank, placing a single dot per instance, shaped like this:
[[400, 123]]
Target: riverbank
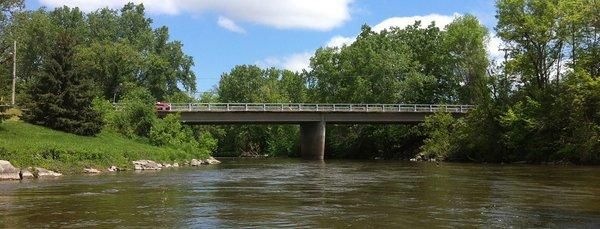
[[26, 145]]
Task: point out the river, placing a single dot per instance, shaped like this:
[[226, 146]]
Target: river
[[291, 193]]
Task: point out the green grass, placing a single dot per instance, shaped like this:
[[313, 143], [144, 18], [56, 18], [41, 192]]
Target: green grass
[[27, 145]]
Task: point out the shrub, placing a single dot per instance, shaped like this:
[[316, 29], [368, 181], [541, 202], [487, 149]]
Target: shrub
[[135, 115], [441, 130]]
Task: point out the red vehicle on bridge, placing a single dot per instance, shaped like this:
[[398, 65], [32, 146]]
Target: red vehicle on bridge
[[160, 106]]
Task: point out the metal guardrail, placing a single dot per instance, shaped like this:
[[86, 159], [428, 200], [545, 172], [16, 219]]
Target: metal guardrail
[[301, 107]]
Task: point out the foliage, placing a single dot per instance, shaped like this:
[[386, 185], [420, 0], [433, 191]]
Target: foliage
[[169, 131], [440, 129], [7, 9], [73, 66], [60, 98], [251, 84], [112, 47], [135, 116], [136, 119], [399, 65]]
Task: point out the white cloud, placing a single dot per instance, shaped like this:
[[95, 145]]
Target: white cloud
[[295, 62], [401, 22], [493, 47], [339, 41], [298, 61], [269, 62], [230, 25], [282, 14]]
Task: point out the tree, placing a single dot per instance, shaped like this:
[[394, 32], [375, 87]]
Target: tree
[[465, 40], [536, 33], [111, 65], [61, 98], [7, 10], [113, 47]]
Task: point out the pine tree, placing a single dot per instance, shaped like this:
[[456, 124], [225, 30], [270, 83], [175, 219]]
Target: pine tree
[[60, 97]]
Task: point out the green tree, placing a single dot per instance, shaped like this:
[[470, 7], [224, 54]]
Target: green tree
[[8, 9], [113, 47], [61, 98], [111, 65], [536, 33], [251, 84], [465, 40]]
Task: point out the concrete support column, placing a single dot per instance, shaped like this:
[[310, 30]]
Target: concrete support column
[[312, 140]]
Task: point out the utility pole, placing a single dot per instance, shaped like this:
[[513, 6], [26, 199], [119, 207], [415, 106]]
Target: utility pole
[[14, 81]]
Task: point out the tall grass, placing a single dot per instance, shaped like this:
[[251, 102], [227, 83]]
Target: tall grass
[[27, 145]]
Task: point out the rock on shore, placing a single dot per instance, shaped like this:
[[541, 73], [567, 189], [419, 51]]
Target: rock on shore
[[44, 173], [91, 170], [208, 161], [196, 162], [8, 171], [26, 174], [146, 165], [212, 161]]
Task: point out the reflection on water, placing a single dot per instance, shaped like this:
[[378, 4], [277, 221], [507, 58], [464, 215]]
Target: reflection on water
[[291, 193]]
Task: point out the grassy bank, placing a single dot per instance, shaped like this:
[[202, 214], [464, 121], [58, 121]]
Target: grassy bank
[[26, 145]]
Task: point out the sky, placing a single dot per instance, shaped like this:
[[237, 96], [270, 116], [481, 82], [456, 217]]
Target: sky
[[220, 34]]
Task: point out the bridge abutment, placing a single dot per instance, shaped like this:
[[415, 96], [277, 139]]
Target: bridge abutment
[[312, 140]]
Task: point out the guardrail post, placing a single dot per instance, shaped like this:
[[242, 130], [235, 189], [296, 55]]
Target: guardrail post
[[430, 108], [399, 107], [246, 106], [209, 108], [317, 107], [228, 107], [264, 107], [333, 107], [367, 107], [351, 107], [415, 107], [282, 107], [461, 108]]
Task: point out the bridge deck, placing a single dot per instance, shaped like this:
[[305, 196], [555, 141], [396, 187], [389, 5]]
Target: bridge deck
[[295, 107], [278, 113]]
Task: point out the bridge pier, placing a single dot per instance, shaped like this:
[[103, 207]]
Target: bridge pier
[[312, 140]]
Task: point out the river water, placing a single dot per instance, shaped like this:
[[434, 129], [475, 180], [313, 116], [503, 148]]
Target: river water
[[291, 193]]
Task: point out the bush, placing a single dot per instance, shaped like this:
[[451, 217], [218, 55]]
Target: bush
[[170, 132], [441, 130], [135, 115]]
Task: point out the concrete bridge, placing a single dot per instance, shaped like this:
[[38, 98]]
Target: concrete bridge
[[312, 118]]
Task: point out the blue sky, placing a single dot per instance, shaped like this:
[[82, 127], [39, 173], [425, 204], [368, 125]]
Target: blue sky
[[220, 34]]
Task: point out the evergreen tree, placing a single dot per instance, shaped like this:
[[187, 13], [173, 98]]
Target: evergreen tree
[[60, 97]]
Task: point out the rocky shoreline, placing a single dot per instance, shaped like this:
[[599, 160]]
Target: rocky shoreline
[[10, 172], [152, 165]]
